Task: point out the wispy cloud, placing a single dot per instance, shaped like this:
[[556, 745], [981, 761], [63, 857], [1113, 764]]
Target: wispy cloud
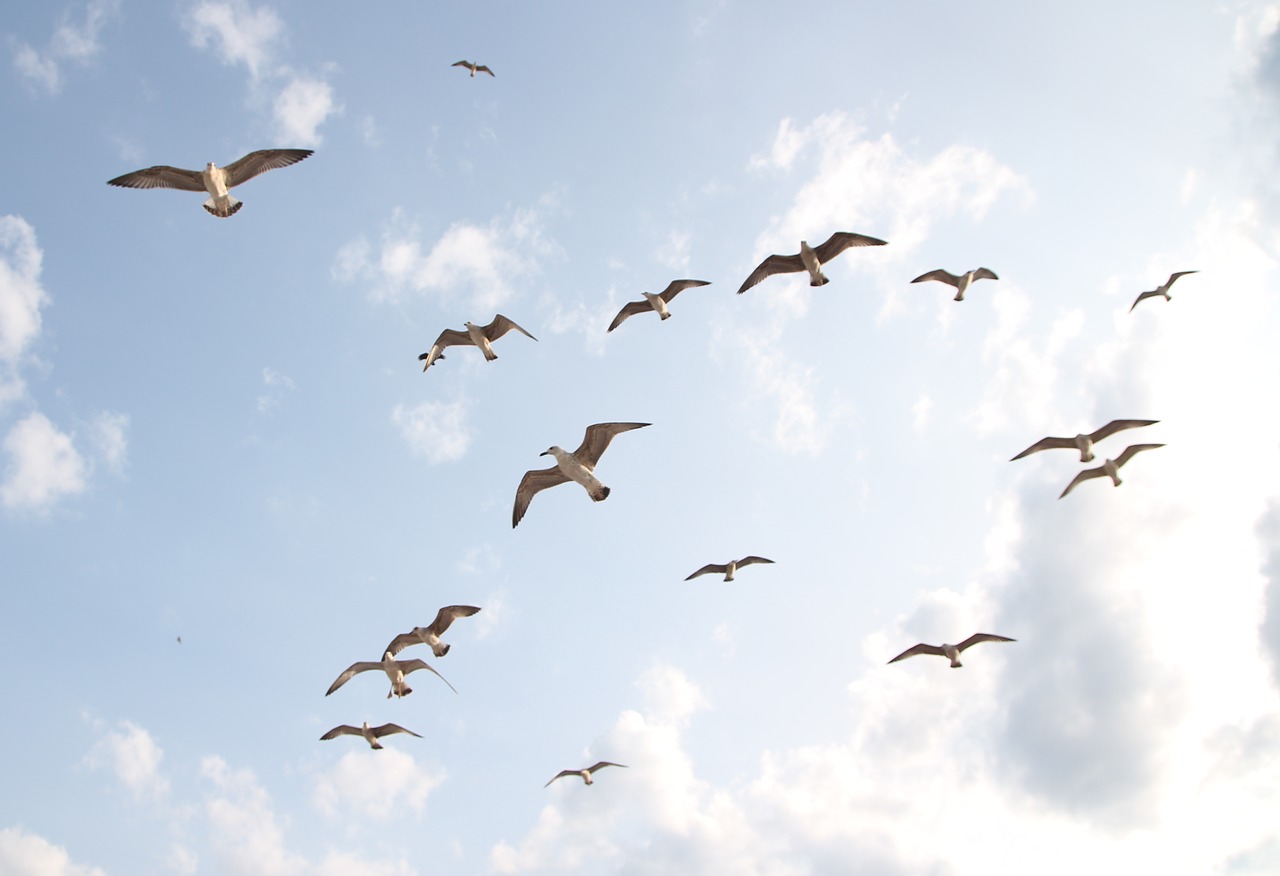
[[28, 854], [360, 786], [134, 757], [21, 299], [436, 430], [72, 41]]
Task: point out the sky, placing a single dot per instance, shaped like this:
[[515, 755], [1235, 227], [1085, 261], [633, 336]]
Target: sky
[[224, 476]]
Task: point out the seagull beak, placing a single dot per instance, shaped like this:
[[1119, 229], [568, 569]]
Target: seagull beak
[[545, 453]]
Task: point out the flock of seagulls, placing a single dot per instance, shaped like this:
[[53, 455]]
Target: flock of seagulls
[[579, 466]]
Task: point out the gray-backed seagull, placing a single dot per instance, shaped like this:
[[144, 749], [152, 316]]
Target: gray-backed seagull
[[1162, 290], [951, 652], [728, 569], [396, 670], [809, 259], [430, 635], [370, 734], [480, 336], [213, 179], [473, 67], [1110, 467], [578, 466], [962, 282], [656, 302], [1084, 443], [586, 774]]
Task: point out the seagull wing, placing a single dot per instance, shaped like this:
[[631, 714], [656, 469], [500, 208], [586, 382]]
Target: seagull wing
[[709, 568], [747, 561], [774, 264], [561, 775], [675, 287], [842, 240], [628, 310], [481, 68], [1118, 426], [245, 169], [466, 64], [1132, 450], [982, 637], [1142, 296], [448, 338], [597, 439], [533, 482], [500, 326], [400, 642], [919, 649], [448, 614], [1046, 444], [1087, 474], [941, 275], [388, 729], [162, 176], [985, 274], [407, 666], [1172, 277], [342, 730], [605, 763], [351, 671]]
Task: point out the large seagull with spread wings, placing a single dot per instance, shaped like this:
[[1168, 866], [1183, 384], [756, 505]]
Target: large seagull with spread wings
[[809, 258], [213, 179], [578, 466]]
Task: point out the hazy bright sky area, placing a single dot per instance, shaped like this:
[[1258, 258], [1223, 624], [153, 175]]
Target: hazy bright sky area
[[224, 476]]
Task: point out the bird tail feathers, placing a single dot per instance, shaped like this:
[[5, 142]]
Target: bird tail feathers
[[229, 207], [600, 495]]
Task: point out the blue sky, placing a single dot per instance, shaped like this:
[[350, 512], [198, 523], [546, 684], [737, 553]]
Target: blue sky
[[218, 430]]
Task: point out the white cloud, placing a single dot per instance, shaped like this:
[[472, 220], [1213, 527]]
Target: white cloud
[[238, 33], [21, 298], [26, 854], [43, 466], [374, 784], [301, 107], [276, 385], [134, 757], [436, 430], [78, 42], [110, 440]]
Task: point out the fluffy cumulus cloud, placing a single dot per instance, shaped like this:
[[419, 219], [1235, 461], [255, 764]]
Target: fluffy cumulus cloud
[[75, 39], [134, 757], [26, 854], [477, 265], [374, 788], [44, 466], [242, 34], [436, 430]]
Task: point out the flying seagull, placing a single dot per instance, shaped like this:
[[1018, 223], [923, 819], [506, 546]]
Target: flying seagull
[[656, 302], [480, 336], [962, 282], [396, 670], [473, 67], [1084, 443], [728, 569], [586, 774], [371, 734], [213, 179], [1109, 468], [951, 652], [1162, 289], [577, 466], [809, 259], [430, 635]]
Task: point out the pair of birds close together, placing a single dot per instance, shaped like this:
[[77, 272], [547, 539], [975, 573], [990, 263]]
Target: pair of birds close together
[[1084, 443]]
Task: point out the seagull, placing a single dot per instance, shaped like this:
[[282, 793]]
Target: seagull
[[962, 282], [951, 652], [586, 774], [577, 466], [1110, 468], [809, 259], [728, 569], [1084, 443], [371, 734], [656, 302], [396, 670], [1162, 289], [213, 179], [480, 336], [430, 635], [473, 67]]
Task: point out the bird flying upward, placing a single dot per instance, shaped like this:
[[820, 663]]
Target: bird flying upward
[[578, 466], [213, 179], [430, 635], [481, 336]]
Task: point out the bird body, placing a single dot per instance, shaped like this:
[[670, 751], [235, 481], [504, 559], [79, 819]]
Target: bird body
[[1084, 442], [585, 774], [370, 734], [1161, 290], [578, 467], [962, 282], [809, 259], [728, 568], [395, 671], [430, 635], [1110, 467], [481, 336], [213, 179], [655, 301], [951, 652]]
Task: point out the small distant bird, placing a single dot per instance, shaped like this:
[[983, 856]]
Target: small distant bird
[[1162, 289], [430, 635], [1109, 468], [578, 466], [473, 67], [179, 640], [480, 336], [962, 282], [728, 569], [396, 670], [809, 259], [951, 652], [1084, 443], [656, 302], [371, 734], [586, 774], [213, 179]]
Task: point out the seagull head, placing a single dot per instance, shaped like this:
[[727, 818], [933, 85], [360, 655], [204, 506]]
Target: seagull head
[[388, 656], [550, 451]]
